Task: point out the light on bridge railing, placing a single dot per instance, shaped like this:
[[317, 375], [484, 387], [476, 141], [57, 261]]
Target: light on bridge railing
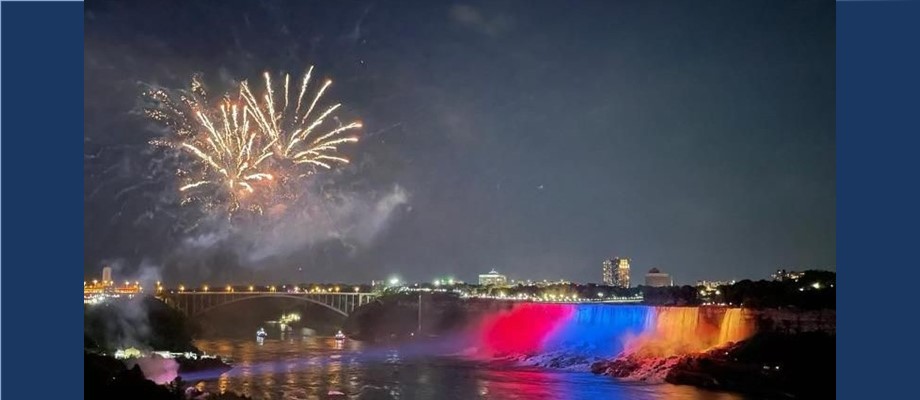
[[336, 289], [357, 289], [181, 288], [205, 288], [250, 288], [229, 289]]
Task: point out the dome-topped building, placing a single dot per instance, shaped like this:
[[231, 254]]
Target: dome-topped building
[[656, 278]]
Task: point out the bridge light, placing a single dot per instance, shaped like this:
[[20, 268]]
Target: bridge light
[[205, 288], [181, 288], [357, 289], [336, 288], [229, 289], [250, 288]]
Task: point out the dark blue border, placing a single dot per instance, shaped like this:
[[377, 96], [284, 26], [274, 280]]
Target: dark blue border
[[42, 124], [878, 176]]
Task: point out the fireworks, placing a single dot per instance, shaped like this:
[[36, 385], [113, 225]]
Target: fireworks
[[238, 148], [288, 123]]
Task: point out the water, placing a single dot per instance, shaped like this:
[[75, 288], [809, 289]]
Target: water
[[308, 368]]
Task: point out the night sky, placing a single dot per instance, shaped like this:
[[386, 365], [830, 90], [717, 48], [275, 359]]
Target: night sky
[[534, 137]]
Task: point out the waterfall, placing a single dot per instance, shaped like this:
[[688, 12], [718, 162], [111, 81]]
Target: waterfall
[[602, 330], [599, 330], [733, 327]]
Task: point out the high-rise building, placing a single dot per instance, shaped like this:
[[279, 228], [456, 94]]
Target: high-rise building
[[106, 275], [656, 278], [607, 272], [492, 278], [616, 272]]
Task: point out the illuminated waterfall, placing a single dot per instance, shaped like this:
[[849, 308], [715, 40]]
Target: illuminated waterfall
[[733, 327], [608, 330]]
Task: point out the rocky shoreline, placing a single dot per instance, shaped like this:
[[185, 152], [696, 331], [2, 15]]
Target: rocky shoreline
[[766, 365], [106, 377]]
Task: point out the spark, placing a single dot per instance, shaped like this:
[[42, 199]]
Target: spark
[[249, 152], [292, 130], [227, 157]]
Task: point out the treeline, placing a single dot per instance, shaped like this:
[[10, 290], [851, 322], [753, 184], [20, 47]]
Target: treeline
[[813, 290]]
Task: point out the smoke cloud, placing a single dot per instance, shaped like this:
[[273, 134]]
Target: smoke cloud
[[352, 219], [159, 370]]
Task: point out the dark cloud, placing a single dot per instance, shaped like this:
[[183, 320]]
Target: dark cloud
[[472, 18]]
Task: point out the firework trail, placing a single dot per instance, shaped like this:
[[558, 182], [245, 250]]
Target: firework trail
[[293, 123]]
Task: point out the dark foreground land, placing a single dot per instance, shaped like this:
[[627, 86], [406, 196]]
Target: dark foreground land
[[108, 378], [768, 365], [144, 323]]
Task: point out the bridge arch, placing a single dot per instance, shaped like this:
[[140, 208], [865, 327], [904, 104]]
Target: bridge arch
[[194, 304], [268, 296]]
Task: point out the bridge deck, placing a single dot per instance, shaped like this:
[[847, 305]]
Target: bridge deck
[[194, 303]]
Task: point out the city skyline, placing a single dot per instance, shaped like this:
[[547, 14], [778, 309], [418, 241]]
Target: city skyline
[[492, 135]]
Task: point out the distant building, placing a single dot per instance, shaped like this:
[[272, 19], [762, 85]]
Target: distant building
[[607, 272], [656, 278], [711, 286], [96, 291], [616, 272], [783, 275], [492, 278]]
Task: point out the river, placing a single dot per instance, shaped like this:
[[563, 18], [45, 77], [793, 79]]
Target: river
[[309, 367]]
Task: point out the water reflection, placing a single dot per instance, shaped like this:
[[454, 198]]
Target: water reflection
[[310, 367]]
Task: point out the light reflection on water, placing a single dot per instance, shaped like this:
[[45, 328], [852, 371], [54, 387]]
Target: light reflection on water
[[308, 368]]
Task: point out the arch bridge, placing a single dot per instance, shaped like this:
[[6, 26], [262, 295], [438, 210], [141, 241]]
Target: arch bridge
[[196, 303]]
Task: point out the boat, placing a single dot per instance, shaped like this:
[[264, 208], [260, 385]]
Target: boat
[[261, 333], [340, 336]]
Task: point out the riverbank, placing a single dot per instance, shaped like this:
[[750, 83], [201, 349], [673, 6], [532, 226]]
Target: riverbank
[[108, 378], [137, 327], [770, 365]]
